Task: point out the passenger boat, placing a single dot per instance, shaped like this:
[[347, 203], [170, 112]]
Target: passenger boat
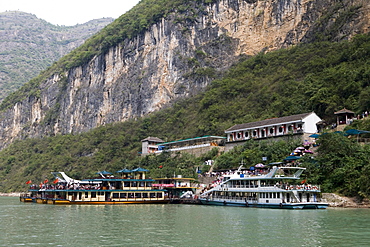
[[269, 187], [179, 189], [103, 190]]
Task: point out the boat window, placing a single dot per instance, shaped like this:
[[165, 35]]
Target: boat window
[[134, 184], [126, 184], [149, 184], [115, 195], [100, 193], [159, 195], [123, 195], [145, 195], [142, 184], [93, 194], [138, 195], [130, 195], [152, 195], [86, 194]]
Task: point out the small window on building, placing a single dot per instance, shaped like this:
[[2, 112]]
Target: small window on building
[[281, 129], [246, 134], [254, 132], [271, 131]]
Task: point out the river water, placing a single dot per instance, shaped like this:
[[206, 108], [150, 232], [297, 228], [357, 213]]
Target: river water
[[30, 224]]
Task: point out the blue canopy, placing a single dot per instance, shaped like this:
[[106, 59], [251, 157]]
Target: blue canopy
[[356, 132], [292, 157], [124, 171], [314, 136], [104, 173], [139, 169]]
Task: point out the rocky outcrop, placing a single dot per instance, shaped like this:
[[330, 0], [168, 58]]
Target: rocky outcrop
[[176, 57], [335, 200]]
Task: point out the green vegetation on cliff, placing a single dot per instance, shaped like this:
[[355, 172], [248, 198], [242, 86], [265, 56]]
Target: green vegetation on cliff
[[321, 77], [29, 45], [129, 25]]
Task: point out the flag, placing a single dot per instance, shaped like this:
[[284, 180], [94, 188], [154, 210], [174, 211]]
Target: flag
[[55, 181], [45, 181], [28, 182]]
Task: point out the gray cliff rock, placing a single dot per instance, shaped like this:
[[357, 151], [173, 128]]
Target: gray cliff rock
[[175, 58]]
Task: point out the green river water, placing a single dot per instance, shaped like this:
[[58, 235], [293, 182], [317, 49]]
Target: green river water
[[29, 224]]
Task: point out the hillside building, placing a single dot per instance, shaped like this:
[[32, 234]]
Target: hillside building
[[195, 146], [299, 126], [149, 145]]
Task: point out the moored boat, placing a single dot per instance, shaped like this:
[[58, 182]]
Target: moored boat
[[267, 187], [103, 190], [179, 189]]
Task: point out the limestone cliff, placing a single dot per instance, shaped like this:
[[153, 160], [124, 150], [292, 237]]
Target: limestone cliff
[[175, 58]]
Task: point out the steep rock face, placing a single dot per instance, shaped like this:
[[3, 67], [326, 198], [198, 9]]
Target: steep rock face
[[175, 58]]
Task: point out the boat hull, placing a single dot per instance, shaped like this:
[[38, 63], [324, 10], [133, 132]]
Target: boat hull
[[265, 205], [68, 202]]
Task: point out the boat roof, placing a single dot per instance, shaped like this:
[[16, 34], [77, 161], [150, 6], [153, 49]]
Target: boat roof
[[117, 180], [175, 179]]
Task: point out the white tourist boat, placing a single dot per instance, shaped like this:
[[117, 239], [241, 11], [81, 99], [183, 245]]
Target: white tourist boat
[[271, 186]]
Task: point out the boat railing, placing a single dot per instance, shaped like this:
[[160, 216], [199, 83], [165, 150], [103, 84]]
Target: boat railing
[[234, 198], [305, 187]]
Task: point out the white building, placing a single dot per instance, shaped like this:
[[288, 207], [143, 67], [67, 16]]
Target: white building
[[301, 125]]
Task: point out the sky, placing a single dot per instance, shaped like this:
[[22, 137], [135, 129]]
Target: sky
[[69, 12]]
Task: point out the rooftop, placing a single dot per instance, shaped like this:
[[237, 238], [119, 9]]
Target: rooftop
[[267, 122], [205, 138]]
